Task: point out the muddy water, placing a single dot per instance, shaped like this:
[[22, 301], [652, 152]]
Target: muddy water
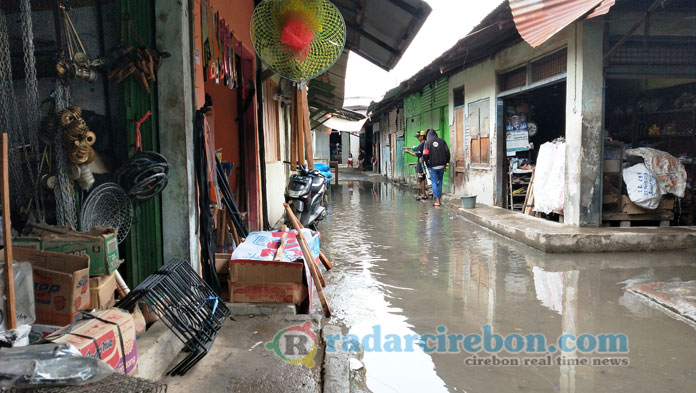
[[409, 268]]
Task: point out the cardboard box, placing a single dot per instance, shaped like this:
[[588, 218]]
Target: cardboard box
[[39, 332], [222, 263], [27, 242], [629, 207], [112, 331], [102, 291], [61, 284], [267, 282], [252, 271], [255, 277], [267, 293], [100, 244]]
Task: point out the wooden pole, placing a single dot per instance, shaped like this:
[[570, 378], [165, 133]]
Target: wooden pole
[[293, 138], [283, 240], [325, 261], [299, 128], [7, 237], [633, 28], [309, 150], [309, 260]]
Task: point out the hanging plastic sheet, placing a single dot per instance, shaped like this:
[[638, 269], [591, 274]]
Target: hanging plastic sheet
[[549, 184]]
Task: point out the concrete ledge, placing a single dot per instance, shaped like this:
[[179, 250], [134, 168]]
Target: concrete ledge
[[336, 368], [267, 309], [552, 237], [157, 347]]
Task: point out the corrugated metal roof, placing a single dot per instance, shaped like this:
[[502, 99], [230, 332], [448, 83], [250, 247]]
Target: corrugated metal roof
[[382, 30], [539, 20]]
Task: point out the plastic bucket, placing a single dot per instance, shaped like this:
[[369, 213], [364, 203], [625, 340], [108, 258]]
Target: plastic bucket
[[468, 201]]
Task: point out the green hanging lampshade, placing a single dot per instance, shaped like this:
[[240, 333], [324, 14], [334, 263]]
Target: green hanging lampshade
[[298, 39]]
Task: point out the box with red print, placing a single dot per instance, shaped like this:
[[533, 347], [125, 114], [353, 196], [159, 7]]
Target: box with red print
[[61, 284], [107, 334]]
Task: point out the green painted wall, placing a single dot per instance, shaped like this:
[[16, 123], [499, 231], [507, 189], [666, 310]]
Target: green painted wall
[[427, 109], [142, 249]]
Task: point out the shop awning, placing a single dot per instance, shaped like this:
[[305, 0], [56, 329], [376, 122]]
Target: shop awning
[[539, 20], [336, 123], [381, 30]]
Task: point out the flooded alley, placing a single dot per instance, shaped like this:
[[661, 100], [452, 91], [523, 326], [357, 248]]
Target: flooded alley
[[410, 268]]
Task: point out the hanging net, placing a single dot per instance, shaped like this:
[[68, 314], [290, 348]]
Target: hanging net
[[298, 39]]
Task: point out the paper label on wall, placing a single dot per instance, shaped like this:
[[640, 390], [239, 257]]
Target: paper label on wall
[[516, 135]]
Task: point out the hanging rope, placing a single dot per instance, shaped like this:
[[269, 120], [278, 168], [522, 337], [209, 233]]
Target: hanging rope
[[138, 135]]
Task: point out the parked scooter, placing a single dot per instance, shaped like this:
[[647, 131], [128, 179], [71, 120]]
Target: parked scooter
[[306, 189]]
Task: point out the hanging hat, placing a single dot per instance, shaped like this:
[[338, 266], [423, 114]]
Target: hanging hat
[[298, 39]]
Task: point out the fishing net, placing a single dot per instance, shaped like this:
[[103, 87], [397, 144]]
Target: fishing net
[[298, 39]]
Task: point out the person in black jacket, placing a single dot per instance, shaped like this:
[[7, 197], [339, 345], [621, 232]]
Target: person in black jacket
[[436, 155]]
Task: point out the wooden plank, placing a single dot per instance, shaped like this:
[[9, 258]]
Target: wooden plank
[[221, 226], [309, 261], [656, 216], [7, 237], [529, 197], [309, 151]]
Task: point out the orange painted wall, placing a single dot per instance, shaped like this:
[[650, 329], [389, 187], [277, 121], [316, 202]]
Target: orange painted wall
[[236, 14]]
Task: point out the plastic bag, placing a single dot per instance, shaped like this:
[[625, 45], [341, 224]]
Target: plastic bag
[[49, 365], [24, 294], [669, 173], [642, 186]]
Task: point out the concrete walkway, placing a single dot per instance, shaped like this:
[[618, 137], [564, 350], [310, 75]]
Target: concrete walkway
[[239, 360], [552, 237]]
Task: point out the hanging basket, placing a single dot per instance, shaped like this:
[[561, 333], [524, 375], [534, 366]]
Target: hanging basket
[[298, 39]]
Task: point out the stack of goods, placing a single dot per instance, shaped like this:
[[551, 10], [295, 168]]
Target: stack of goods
[[325, 171], [268, 268], [66, 285]]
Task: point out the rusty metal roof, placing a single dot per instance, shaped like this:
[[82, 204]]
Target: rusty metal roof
[[539, 20]]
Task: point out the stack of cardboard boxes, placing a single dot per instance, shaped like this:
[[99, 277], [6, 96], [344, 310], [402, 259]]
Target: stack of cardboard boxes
[[75, 272], [256, 276]]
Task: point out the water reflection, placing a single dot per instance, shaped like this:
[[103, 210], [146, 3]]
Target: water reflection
[[409, 267]]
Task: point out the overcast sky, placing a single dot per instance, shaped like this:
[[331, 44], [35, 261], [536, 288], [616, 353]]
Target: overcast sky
[[449, 21]]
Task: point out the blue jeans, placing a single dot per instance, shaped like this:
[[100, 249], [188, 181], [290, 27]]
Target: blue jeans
[[436, 176]]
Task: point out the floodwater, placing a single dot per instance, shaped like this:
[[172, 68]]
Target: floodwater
[[408, 268]]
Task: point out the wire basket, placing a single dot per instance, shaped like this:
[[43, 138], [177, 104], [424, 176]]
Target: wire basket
[[107, 205], [186, 304]]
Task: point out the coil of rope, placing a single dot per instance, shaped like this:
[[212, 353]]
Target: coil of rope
[[144, 175]]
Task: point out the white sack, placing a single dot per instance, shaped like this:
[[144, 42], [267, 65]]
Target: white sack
[[668, 171], [642, 186]]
